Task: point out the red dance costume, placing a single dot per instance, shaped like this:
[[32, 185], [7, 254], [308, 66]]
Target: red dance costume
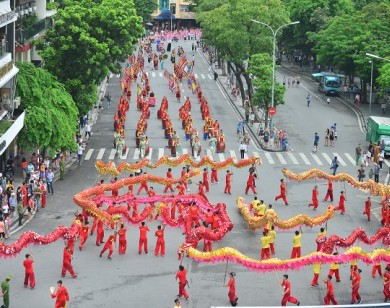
[[122, 241], [282, 194], [143, 239], [160, 244], [182, 276], [108, 245], [29, 273], [62, 296], [67, 264]]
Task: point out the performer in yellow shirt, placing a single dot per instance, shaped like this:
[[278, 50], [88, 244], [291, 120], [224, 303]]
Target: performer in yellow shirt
[[320, 238], [316, 272], [260, 209], [272, 234], [271, 215], [296, 251], [334, 269], [254, 205], [265, 240]]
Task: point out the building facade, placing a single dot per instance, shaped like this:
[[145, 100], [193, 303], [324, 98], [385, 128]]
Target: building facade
[[174, 15]]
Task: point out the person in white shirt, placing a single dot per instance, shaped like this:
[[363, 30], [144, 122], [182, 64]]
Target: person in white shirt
[[243, 148], [80, 151], [88, 129]]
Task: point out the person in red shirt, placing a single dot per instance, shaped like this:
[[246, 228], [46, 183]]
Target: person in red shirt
[[367, 208], [214, 175], [355, 286], [181, 187], [232, 289], [249, 183], [43, 194], [376, 268], [329, 296], [228, 182], [173, 208], [114, 192], [287, 292], [61, 296], [67, 263], [314, 197], [207, 244], [131, 186], [84, 235], [216, 221], [99, 233], [341, 206], [143, 238], [122, 240], [201, 191], [29, 271], [151, 194], [24, 194], [206, 179], [169, 176], [94, 224], [386, 284], [108, 245], [183, 173], [209, 217], [70, 244], [329, 192], [144, 185], [283, 191], [160, 244], [192, 217], [181, 275]]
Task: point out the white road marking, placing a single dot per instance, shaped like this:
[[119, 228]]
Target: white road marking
[[101, 153], [160, 152], [88, 155], [209, 154], [147, 74], [350, 158], [160, 74], [124, 156], [269, 158], [304, 158], [185, 151], [203, 76], [136, 154], [315, 157], [210, 77], [327, 158], [386, 163], [293, 159], [221, 157], [150, 154], [112, 154], [196, 76], [153, 74], [233, 154], [281, 158], [245, 155], [341, 161]]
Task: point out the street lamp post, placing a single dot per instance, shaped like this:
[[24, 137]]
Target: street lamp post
[[372, 73], [274, 33]]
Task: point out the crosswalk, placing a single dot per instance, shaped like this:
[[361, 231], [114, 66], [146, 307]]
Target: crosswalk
[[157, 74], [270, 158]]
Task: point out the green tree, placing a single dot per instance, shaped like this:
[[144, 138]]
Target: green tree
[[260, 66], [145, 8], [384, 77], [90, 38], [51, 114]]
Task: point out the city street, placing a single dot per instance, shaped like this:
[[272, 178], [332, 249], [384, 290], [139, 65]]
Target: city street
[[134, 280]]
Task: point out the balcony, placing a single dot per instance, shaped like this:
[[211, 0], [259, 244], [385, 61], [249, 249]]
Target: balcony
[[25, 35], [186, 15]]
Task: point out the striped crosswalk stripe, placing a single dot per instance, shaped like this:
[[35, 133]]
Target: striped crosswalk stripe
[[153, 74], [124, 156], [304, 158], [150, 154], [136, 154], [196, 76], [88, 155], [209, 154], [386, 163], [245, 155], [101, 153], [327, 158], [315, 157], [233, 154], [281, 158], [202, 76], [160, 152], [341, 161], [349, 157], [185, 151], [160, 74], [269, 158], [293, 159], [221, 156], [210, 77], [112, 154]]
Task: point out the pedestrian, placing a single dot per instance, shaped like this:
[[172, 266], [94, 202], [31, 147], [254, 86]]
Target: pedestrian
[[376, 172], [328, 100], [329, 192], [249, 183], [383, 107], [177, 303], [80, 151], [341, 206], [287, 292], [265, 251], [169, 176], [243, 148], [283, 191], [87, 130], [181, 275], [160, 243], [381, 159], [49, 181], [316, 272], [358, 154], [335, 269], [331, 138], [314, 198], [5, 290], [29, 271], [122, 240], [108, 98], [232, 289], [329, 296], [308, 99], [20, 209], [316, 140], [356, 278], [67, 263], [62, 295], [376, 268], [108, 245], [367, 208], [84, 232], [252, 119], [228, 181], [334, 165], [386, 283], [361, 173], [143, 238], [296, 251]]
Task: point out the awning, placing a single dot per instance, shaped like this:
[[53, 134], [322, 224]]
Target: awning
[[6, 14], [165, 14], [11, 133], [8, 76]]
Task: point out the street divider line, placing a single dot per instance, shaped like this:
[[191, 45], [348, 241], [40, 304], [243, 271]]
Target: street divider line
[[209, 154], [150, 154], [203, 77], [160, 153], [221, 156], [233, 154]]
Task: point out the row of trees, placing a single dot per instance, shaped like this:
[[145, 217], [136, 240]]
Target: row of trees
[[334, 33], [90, 39]]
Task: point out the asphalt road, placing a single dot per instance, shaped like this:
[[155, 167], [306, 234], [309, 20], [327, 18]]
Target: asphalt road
[[147, 281]]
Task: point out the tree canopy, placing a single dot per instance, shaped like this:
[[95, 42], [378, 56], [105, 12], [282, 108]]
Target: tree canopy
[[145, 8], [51, 114], [90, 38]]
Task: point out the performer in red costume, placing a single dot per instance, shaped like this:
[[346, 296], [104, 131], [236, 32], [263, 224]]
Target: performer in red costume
[[250, 183], [329, 297], [206, 179], [201, 191], [29, 271], [355, 286], [283, 191], [181, 275], [367, 208], [108, 245], [99, 233], [341, 206], [214, 175], [314, 197], [232, 289], [122, 240], [160, 244], [144, 185], [329, 192], [143, 238], [287, 292], [169, 176], [61, 296], [67, 263], [228, 182]]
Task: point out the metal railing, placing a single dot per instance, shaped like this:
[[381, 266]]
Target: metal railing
[[24, 35]]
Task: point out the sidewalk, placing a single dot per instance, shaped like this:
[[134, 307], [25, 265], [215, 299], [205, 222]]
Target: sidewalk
[[69, 161]]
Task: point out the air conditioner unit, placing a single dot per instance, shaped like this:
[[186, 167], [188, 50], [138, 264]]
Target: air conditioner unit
[[16, 102]]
